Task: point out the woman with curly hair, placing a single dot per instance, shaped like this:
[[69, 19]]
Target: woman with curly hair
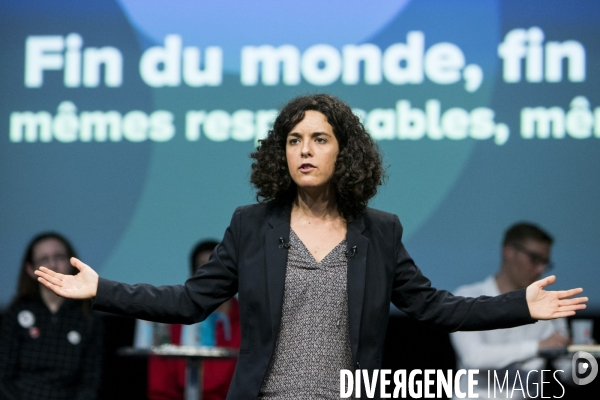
[[357, 171], [314, 267]]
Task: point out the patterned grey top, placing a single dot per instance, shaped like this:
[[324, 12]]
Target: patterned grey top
[[313, 343]]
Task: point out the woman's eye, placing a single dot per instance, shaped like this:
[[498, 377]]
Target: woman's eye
[[293, 141], [321, 140]]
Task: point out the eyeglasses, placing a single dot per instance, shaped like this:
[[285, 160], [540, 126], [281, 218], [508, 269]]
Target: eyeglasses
[[45, 261], [535, 258]]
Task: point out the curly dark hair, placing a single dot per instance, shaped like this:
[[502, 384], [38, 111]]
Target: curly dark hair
[[358, 168]]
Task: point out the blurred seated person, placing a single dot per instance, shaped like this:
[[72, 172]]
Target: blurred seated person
[[525, 257], [50, 347], [166, 377]]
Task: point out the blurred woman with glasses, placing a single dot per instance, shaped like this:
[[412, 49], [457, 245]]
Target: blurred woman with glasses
[[50, 347]]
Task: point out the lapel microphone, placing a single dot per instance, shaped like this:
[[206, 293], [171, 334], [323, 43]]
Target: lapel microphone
[[352, 252], [283, 244]]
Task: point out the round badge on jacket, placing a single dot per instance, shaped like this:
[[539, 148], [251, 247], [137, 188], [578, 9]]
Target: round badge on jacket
[[74, 337], [26, 319], [34, 332]]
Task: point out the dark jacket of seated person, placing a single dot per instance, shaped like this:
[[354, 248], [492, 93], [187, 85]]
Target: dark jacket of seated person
[[50, 347]]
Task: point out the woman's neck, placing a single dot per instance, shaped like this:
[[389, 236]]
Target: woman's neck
[[316, 205], [50, 299]]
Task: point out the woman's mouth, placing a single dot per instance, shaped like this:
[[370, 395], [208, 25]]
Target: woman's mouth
[[306, 167]]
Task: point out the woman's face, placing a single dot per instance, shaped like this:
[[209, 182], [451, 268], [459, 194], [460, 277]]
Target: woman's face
[[311, 150], [52, 254]]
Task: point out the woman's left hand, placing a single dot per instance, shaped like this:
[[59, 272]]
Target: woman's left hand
[[552, 304]]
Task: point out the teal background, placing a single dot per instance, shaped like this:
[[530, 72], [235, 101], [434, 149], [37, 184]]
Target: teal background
[[134, 210]]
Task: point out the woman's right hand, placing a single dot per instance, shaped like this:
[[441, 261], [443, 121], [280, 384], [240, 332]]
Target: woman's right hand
[[84, 285]]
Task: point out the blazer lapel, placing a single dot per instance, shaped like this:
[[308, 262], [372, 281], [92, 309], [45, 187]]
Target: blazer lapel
[[276, 261], [357, 267]]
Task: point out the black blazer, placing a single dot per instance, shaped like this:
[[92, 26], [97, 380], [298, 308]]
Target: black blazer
[[251, 261]]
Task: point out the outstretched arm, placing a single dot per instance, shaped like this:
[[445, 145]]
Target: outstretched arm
[[552, 304], [84, 285], [191, 302], [188, 303], [413, 294]]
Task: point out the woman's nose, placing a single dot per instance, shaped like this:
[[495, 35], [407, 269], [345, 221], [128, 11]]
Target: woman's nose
[[305, 150]]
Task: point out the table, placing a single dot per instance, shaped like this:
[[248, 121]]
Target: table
[[193, 356], [593, 349], [550, 353]]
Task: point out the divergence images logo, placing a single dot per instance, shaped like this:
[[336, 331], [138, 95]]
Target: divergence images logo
[[583, 364]]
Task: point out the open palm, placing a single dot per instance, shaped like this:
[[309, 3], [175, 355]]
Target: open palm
[[81, 286], [545, 304]]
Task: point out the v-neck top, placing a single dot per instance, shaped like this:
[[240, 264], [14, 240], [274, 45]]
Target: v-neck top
[[313, 342]]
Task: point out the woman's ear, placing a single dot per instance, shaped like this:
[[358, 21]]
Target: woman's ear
[[30, 271]]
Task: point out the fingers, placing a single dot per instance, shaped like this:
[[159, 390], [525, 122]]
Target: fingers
[[573, 307], [549, 280], [77, 263], [564, 314], [56, 289], [563, 294], [47, 273], [569, 302], [53, 278], [43, 271]]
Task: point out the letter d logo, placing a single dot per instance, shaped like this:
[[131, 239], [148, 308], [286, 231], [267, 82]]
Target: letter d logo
[[582, 362]]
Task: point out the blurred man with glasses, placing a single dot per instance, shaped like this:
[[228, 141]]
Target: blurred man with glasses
[[525, 257]]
